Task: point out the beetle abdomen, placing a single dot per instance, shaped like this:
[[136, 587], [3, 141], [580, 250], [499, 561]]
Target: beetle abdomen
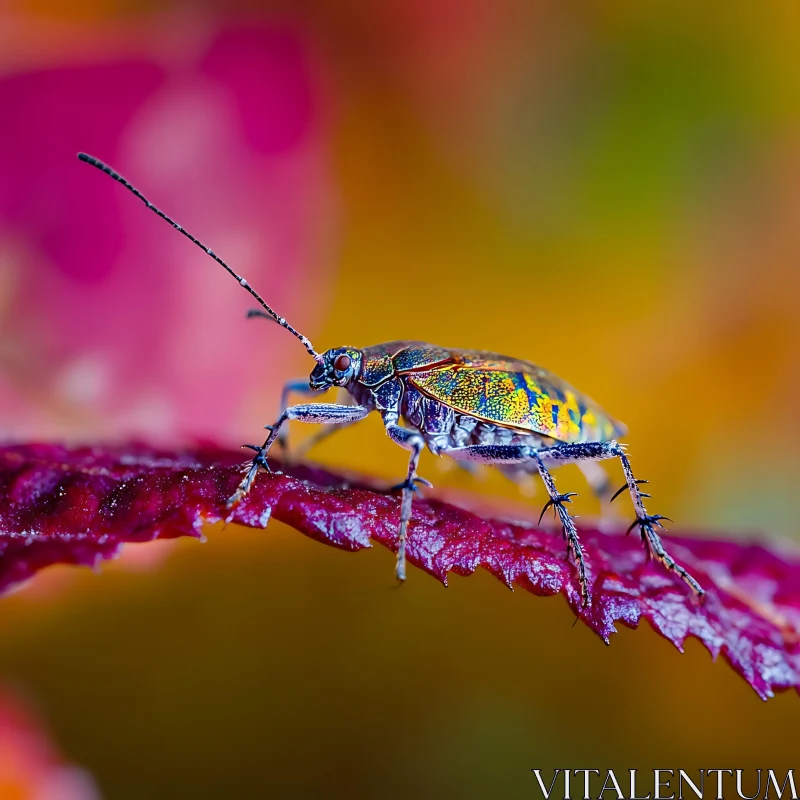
[[445, 428], [492, 388], [527, 401]]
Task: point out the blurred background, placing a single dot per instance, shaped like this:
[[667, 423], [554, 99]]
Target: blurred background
[[611, 190]]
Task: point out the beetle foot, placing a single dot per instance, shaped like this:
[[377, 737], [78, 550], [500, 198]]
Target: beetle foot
[[624, 487], [258, 462], [260, 458], [411, 483], [655, 549], [557, 502], [574, 549], [647, 522]]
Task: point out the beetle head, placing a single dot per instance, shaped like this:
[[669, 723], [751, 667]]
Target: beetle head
[[337, 367]]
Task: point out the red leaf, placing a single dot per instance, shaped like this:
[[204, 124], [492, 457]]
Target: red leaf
[[79, 506]]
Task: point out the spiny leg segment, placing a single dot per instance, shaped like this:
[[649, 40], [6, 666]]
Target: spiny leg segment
[[318, 413], [410, 440], [647, 523], [522, 454], [576, 453], [342, 415], [558, 502], [300, 386]]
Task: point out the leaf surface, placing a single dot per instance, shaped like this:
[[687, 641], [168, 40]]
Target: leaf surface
[[79, 506]]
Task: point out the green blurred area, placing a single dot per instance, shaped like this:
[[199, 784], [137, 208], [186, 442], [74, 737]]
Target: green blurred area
[[609, 190]]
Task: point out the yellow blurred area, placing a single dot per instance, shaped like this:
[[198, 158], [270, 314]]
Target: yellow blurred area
[[611, 190]]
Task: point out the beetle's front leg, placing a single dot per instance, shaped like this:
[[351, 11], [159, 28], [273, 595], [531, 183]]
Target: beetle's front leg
[[309, 443], [317, 413], [410, 440]]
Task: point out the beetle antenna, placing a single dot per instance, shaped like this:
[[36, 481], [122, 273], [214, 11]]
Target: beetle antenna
[[242, 282]]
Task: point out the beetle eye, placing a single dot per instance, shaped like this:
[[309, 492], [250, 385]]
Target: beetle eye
[[342, 363]]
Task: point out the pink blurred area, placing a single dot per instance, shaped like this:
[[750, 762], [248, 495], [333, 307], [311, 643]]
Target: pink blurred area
[[112, 325], [31, 766]]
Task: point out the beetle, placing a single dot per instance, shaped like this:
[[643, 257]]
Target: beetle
[[470, 405]]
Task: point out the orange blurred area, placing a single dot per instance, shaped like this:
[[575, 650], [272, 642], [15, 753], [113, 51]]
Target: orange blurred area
[[609, 190]]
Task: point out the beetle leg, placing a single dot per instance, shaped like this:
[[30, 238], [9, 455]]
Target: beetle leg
[[523, 454], [412, 441], [296, 386], [570, 533], [318, 413], [298, 453], [647, 523]]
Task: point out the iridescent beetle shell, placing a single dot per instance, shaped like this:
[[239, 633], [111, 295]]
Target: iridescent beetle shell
[[493, 388]]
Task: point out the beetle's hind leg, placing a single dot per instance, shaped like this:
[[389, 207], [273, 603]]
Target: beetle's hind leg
[[647, 523], [567, 523], [525, 456]]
